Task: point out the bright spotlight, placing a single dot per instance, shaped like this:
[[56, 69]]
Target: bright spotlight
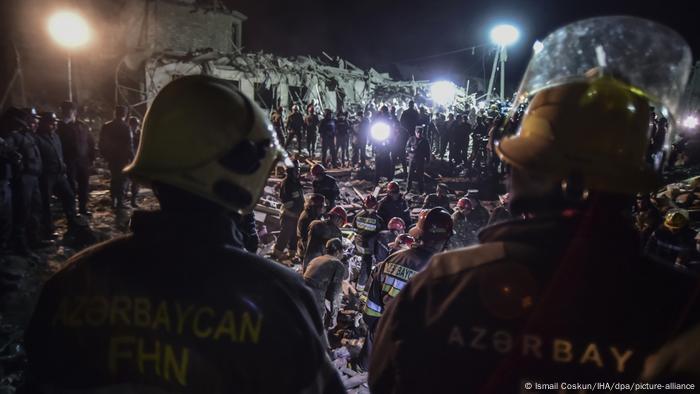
[[443, 92], [380, 131], [69, 29], [691, 122], [504, 35], [538, 46]]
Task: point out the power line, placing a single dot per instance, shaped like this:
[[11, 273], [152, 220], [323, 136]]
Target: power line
[[471, 48]]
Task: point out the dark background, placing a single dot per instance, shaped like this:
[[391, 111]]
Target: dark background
[[379, 33]]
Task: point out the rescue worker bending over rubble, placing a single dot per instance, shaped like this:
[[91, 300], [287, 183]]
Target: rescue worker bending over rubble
[[646, 217], [368, 225], [322, 230], [179, 306], [563, 295], [394, 205], [394, 228], [292, 198], [324, 276], [674, 241], [439, 199], [324, 184], [465, 231], [479, 216], [502, 212], [433, 230], [313, 209]]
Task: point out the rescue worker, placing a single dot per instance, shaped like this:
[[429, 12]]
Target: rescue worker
[[179, 305], [292, 198], [26, 193], [359, 140], [277, 119], [433, 230], [673, 240], [394, 205], [311, 123], [321, 230], [459, 138], [418, 152], [324, 276], [326, 130], [563, 295], [324, 184], [401, 242], [439, 199], [313, 209], [395, 227], [246, 231], [465, 231], [78, 152], [342, 138], [442, 129], [368, 224], [479, 216], [135, 127], [502, 212], [117, 148], [295, 124], [53, 180], [10, 165], [646, 217]]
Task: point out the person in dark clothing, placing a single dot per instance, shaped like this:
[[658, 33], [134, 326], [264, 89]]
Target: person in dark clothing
[[439, 199], [389, 277], [53, 180], [324, 185], [384, 165], [394, 205], [326, 130], [295, 125], [459, 138], [502, 212], [117, 147], [292, 198], [246, 231], [367, 225], [564, 294], [26, 194], [442, 130], [277, 119], [395, 227], [410, 118], [465, 231], [674, 240], [135, 127], [359, 140], [324, 276], [136, 312], [646, 217], [342, 138], [313, 209], [418, 152], [78, 152], [322, 230], [10, 165], [479, 216], [311, 123]]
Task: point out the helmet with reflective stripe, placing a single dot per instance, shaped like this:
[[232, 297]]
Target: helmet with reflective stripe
[[202, 135], [402, 240], [396, 224], [464, 203]]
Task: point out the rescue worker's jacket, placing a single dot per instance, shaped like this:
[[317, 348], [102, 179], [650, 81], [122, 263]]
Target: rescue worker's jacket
[[667, 246], [390, 277], [479, 216], [327, 186], [418, 150], [178, 306], [545, 300], [295, 122], [435, 200], [368, 226], [292, 197], [307, 216], [383, 250], [320, 232], [324, 276], [388, 209], [464, 231]]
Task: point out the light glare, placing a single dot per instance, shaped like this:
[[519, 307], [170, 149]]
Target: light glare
[[691, 122], [443, 92], [380, 131], [69, 29], [504, 35]]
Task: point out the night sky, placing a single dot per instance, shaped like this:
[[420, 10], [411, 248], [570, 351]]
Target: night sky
[[378, 33]]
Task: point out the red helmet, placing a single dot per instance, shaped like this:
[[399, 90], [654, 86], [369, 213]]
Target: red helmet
[[401, 240], [339, 212], [317, 170], [370, 201], [392, 187], [464, 203], [435, 225], [396, 224], [315, 200]]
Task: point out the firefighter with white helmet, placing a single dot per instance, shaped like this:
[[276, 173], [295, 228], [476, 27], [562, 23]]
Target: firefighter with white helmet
[[179, 305], [565, 294]]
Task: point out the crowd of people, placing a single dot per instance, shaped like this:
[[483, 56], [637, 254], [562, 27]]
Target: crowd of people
[[44, 155]]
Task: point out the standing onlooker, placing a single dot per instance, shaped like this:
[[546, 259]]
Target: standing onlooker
[[311, 123], [342, 137], [117, 148], [135, 127], [359, 140], [327, 131], [295, 123], [53, 179], [78, 153]]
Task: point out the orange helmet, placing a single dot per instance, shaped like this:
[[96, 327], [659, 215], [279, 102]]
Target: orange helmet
[[396, 224], [339, 212]]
